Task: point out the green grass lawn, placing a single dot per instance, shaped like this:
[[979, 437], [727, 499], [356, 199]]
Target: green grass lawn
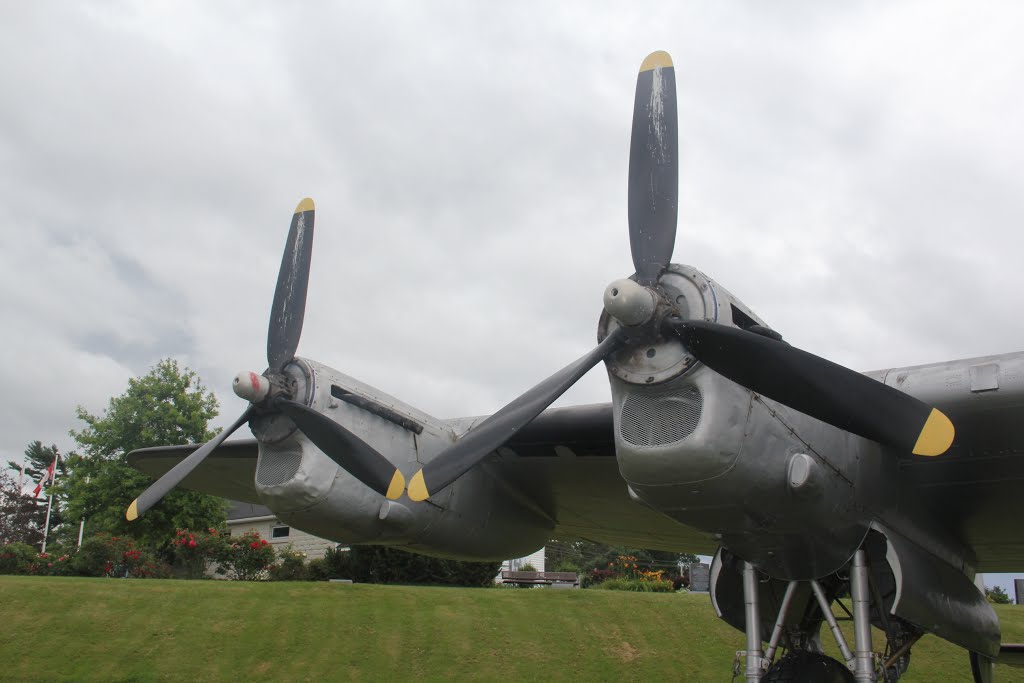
[[150, 630]]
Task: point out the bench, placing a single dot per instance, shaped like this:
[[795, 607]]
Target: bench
[[554, 579]]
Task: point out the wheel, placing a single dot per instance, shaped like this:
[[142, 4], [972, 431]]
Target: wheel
[[807, 667]]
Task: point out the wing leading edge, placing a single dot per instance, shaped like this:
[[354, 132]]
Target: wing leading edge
[[229, 472], [564, 464]]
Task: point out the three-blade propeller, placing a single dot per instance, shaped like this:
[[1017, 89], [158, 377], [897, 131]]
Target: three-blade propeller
[[812, 385], [282, 340]]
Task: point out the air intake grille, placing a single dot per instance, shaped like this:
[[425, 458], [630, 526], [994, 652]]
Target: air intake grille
[[278, 464], [657, 419]]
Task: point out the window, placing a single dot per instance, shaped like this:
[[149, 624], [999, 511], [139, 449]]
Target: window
[[280, 531]]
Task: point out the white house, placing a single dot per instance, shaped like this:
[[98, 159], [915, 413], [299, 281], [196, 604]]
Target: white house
[[535, 560], [244, 517]]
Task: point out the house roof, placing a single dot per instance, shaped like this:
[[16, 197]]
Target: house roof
[[240, 510]]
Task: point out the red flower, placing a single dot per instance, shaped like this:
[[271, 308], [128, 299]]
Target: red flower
[[263, 541], [254, 545], [191, 544]]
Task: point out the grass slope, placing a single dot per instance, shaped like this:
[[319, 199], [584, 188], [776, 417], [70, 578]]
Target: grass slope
[[149, 630]]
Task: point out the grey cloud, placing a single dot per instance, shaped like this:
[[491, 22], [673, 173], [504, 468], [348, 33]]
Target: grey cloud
[[469, 167]]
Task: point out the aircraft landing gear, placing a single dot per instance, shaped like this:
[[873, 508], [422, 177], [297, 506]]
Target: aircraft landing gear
[[981, 669], [805, 660]]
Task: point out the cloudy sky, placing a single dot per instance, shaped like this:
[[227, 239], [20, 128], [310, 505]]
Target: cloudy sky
[[853, 173]]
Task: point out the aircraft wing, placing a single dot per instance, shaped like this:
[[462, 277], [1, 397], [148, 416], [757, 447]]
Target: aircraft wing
[[229, 472], [975, 491], [563, 463]]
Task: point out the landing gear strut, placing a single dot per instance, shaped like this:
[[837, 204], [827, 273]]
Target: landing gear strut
[[805, 661]]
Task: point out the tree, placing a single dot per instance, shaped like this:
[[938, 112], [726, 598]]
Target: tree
[[167, 406], [38, 459], [997, 595], [21, 520]]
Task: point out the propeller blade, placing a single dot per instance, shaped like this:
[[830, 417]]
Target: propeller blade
[[499, 427], [653, 168], [162, 486], [290, 296], [817, 387], [354, 455]]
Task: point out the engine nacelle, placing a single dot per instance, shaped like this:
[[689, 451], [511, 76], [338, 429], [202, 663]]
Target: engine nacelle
[[473, 519], [718, 457]]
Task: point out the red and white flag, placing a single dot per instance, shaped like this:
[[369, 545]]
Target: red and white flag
[[48, 477]]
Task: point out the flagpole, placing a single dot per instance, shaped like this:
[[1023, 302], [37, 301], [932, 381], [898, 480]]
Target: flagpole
[[46, 528], [49, 506], [81, 525]]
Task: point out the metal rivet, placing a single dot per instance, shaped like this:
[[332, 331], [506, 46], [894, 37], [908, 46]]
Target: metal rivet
[[650, 353]]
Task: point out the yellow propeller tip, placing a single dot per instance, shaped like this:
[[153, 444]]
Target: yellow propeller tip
[[418, 488], [396, 487], [936, 436], [656, 60], [305, 205], [133, 511]]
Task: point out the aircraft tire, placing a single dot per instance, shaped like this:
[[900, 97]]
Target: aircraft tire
[[807, 667]]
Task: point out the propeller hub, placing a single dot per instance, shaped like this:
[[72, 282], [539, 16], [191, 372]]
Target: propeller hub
[[250, 386], [295, 382], [649, 356], [630, 303]]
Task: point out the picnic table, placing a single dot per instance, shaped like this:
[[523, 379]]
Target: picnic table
[[554, 579]]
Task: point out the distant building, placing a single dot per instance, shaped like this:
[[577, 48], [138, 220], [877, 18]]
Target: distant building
[[243, 517], [535, 560]]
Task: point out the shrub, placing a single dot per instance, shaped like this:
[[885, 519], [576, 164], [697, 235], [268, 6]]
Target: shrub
[[194, 551], [625, 565], [291, 566], [106, 555], [316, 569], [247, 557], [382, 564], [95, 557], [597, 576], [637, 585], [337, 563], [45, 564], [527, 568], [15, 558]]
